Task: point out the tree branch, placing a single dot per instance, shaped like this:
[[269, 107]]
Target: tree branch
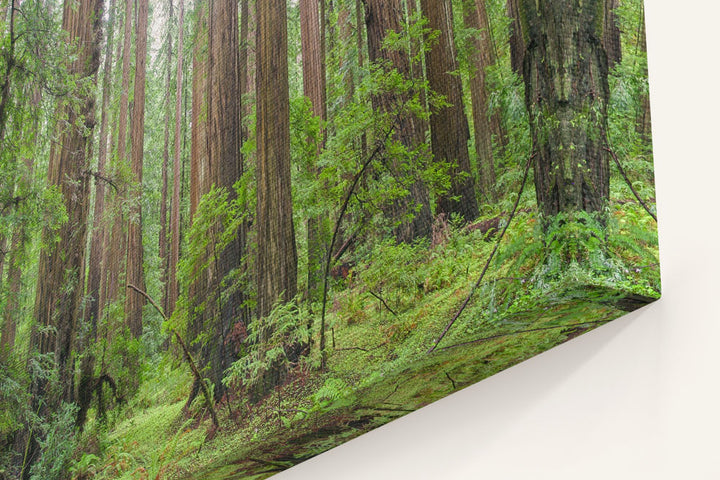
[[186, 351], [383, 302], [492, 255], [346, 201], [629, 183], [99, 176]]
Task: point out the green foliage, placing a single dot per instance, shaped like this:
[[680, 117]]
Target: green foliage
[[55, 440], [272, 344], [335, 393]]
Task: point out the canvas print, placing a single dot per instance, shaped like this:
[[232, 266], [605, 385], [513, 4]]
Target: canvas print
[[235, 234]]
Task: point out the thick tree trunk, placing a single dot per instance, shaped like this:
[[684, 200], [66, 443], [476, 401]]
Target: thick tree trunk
[[247, 64], [95, 263], [566, 92], [485, 124], [449, 128], [382, 17], [313, 62], [226, 168], [133, 301], [277, 254], [59, 292]]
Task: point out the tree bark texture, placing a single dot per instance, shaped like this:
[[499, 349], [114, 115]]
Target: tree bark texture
[[226, 168], [173, 288], [117, 244], [485, 123], [382, 17], [134, 269], [314, 88], [95, 263], [277, 254], [566, 93], [163, 235], [449, 128], [59, 292]]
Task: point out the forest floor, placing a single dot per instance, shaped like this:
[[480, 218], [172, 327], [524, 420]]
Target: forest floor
[[382, 324]]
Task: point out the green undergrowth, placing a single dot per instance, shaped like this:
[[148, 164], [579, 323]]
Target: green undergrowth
[[385, 354]]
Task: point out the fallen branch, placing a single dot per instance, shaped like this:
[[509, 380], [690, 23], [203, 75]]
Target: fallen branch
[[186, 351], [346, 202], [490, 258], [383, 302], [451, 380], [629, 183]]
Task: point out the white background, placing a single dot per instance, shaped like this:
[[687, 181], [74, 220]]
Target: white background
[[638, 398]]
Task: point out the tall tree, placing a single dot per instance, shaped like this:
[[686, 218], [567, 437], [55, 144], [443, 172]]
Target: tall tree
[[449, 128], [276, 249], [485, 123], [226, 168], [172, 288], [643, 124], [134, 270], [116, 256], [382, 17], [216, 161], [313, 65], [566, 93], [95, 264], [59, 291], [611, 33], [163, 236]]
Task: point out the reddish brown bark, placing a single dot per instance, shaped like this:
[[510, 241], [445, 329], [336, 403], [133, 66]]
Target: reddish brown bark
[[277, 254], [485, 124], [95, 263], [313, 63], [382, 17], [173, 288], [449, 128], [61, 266], [163, 234], [134, 269]]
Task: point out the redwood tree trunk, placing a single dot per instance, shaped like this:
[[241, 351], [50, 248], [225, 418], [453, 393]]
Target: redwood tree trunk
[[226, 168], [313, 63], [484, 124], [173, 288], [566, 92], [116, 253], [163, 236], [277, 254], [59, 292], [95, 263], [382, 17], [449, 128], [133, 301]]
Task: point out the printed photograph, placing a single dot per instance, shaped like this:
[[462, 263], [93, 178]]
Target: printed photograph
[[235, 234]]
